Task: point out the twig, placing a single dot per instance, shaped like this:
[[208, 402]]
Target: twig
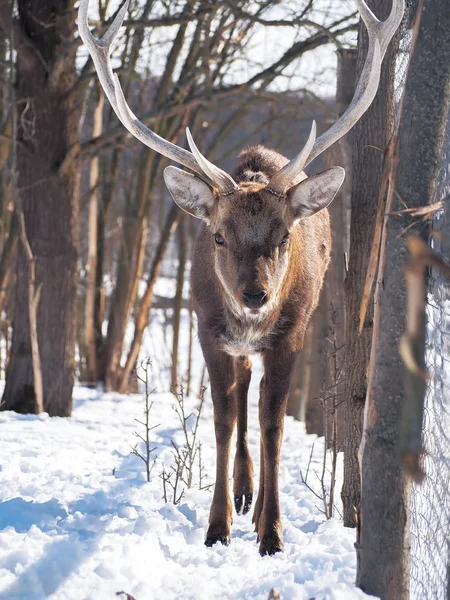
[[329, 399], [145, 366], [188, 457]]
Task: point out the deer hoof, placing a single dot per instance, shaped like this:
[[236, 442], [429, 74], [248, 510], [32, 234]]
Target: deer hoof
[[270, 545], [213, 538], [244, 501]]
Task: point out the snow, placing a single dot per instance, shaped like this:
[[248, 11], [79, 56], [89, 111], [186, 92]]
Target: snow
[[78, 519]]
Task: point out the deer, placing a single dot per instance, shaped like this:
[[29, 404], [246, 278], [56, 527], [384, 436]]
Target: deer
[[258, 267]]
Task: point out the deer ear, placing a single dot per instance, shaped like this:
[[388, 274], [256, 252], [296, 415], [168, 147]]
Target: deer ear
[[316, 192], [189, 192]]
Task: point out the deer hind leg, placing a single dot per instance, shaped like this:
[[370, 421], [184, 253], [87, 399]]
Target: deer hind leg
[[221, 374], [243, 465], [278, 367]]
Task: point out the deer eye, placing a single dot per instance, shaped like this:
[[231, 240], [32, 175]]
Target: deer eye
[[285, 240], [219, 239]]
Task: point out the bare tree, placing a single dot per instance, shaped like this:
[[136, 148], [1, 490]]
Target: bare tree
[[89, 307], [383, 549], [304, 399], [5, 132], [47, 180], [371, 136], [142, 311]]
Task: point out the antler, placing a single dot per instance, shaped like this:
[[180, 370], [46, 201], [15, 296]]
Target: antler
[[380, 34], [100, 53]]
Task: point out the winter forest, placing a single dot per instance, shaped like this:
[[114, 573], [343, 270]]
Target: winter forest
[[225, 299]]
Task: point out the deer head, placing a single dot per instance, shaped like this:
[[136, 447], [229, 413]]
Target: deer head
[[251, 224]]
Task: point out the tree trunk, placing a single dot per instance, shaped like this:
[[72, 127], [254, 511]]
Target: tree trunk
[[383, 550], [307, 352], [89, 308], [6, 260], [294, 405], [47, 179], [142, 312], [110, 173], [333, 292], [127, 269], [313, 408], [330, 312], [191, 316], [7, 243], [371, 136], [177, 302], [5, 128], [123, 297]]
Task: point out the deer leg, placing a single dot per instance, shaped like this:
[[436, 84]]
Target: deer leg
[[221, 374], [260, 499], [243, 465], [278, 367]]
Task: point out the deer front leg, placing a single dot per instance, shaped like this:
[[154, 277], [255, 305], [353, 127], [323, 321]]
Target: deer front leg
[[277, 374], [221, 374], [243, 465], [260, 499]]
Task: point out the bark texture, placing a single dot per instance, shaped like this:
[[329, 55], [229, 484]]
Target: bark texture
[[370, 138], [47, 181], [383, 553], [7, 262]]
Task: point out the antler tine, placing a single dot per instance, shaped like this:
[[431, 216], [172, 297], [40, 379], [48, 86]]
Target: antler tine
[[282, 180], [99, 51], [384, 30], [224, 182], [380, 34], [363, 98]]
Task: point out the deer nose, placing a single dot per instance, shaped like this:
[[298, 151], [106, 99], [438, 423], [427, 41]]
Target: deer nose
[[254, 300]]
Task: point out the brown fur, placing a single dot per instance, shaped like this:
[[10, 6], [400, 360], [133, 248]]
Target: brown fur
[[253, 221]]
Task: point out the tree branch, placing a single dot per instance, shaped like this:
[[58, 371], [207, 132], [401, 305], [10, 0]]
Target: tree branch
[[297, 22], [295, 51]]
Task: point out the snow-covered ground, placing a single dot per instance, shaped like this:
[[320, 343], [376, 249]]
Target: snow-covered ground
[[79, 521]]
